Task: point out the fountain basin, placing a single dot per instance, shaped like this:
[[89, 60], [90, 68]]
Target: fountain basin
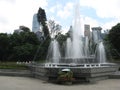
[[81, 72], [81, 60]]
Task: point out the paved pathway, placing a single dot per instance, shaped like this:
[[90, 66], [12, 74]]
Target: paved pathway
[[23, 83]]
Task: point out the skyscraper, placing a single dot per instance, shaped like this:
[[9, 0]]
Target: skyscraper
[[35, 24], [87, 30]]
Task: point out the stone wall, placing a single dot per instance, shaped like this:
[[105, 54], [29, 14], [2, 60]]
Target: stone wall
[[15, 72], [89, 73], [86, 73]]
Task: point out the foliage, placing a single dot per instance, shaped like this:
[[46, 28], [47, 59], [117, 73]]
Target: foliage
[[42, 50], [114, 39], [42, 20], [22, 47], [24, 52], [41, 15], [114, 36], [65, 76], [25, 46], [4, 49], [24, 28], [61, 38], [53, 28]]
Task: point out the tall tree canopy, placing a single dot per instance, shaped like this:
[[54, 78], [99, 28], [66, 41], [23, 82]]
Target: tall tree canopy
[[42, 20], [24, 28], [4, 43], [18, 46], [114, 36], [54, 28]]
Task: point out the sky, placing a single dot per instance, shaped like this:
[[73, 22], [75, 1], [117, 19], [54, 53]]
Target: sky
[[14, 13]]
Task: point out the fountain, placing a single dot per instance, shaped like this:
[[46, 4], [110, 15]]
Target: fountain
[[85, 66], [86, 49], [53, 52], [101, 55], [68, 52]]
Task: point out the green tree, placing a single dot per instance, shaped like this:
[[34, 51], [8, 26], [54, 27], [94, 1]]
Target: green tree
[[114, 39], [43, 47], [24, 52], [54, 28], [61, 38], [24, 28], [4, 49], [23, 46], [42, 20]]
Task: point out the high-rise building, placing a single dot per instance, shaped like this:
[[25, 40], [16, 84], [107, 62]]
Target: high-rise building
[[35, 24], [87, 30]]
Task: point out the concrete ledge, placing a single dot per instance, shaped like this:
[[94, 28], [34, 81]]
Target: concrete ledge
[[14, 72], [116, 75], [90, 73], [51, 73]]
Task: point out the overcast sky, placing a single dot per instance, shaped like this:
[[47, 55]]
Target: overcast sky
[[13, 13]]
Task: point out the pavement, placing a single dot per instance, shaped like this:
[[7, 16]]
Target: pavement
[[26, 83]]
